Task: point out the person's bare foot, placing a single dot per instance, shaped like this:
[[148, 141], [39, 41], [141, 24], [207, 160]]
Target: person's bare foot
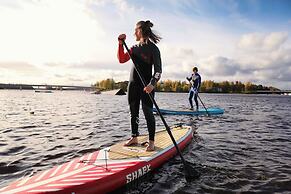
[[151, 146], [131, 141]]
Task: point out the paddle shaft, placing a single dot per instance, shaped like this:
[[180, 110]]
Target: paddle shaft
[[203, 105], [157, 107]]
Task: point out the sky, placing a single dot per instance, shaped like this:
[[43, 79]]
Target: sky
[[74, 42]]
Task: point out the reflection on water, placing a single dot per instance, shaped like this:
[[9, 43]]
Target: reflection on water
[[246, 149]]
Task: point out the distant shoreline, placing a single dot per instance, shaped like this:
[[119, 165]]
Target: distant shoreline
[[254, 92], [42, 87]]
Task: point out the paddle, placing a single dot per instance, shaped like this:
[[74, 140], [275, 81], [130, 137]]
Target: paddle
[[203, 105], [201, 102], [189, 172]]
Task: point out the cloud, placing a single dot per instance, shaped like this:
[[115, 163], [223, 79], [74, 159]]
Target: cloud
[[96, 65], [124, 6], [20, 68], [275, 71], [59, 76], [269, 63], [21, 72], [280, 74], [10, 4], [268, 52], [72, 79], [80, 76], [266, 67], [261, 42], [217, 65], [121, 5]]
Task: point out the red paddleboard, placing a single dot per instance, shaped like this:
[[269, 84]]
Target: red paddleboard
[[105, 170]]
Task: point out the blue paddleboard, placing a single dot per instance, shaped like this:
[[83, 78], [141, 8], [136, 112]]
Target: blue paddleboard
[[211, 111]]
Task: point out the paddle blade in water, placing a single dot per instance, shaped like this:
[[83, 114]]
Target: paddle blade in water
[[191, 172]]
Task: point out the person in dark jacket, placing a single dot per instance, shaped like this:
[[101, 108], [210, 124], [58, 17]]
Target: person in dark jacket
[[195, 81]]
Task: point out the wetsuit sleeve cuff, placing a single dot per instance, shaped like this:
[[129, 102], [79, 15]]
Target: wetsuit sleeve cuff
[[155, 78]]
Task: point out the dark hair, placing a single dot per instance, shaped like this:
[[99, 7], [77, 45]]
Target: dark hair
[[195, 69], [147, 32]]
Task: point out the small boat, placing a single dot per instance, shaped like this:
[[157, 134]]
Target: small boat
[[43, 91], [96, 92]]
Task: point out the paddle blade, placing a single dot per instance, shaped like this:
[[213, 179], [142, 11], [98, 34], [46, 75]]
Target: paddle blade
[[191, 173]]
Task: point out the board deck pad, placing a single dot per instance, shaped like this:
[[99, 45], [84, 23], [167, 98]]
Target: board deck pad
[[162, 140], [104, 170]]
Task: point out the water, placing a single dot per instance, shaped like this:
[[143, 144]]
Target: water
[[247, 149]]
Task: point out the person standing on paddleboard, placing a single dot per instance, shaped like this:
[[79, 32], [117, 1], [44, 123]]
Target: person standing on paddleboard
[[145, 54], [195, 81]]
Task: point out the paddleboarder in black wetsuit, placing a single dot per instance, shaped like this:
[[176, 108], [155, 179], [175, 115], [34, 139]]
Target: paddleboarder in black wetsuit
[[195, 80], [145, 55]]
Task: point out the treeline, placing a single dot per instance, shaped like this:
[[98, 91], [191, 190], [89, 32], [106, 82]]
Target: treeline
[[233, 87], [110, 84], [207, 86]]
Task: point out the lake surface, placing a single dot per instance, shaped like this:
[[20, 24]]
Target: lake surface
[[247, 149]]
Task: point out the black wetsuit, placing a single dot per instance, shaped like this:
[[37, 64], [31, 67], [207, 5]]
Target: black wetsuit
[[145, 57]]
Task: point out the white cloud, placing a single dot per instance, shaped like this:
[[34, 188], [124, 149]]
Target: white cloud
[[217, 65], [123, 6], [177, 60], [270, 51], [261, 42], [20, 67]]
